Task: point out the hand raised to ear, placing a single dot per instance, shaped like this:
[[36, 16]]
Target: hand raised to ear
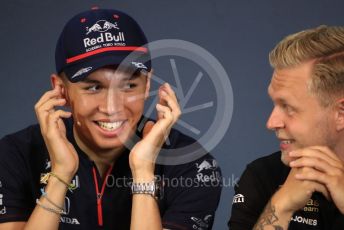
[[63, 156], [144, 153]]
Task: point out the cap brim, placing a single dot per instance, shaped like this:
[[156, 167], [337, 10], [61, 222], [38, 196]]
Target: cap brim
[[79, 71]]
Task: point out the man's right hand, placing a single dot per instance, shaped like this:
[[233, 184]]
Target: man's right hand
[[63, 156]]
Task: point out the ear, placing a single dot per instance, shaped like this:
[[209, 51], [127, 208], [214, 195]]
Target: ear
[[57, 80], [149, 77], [339, 114]]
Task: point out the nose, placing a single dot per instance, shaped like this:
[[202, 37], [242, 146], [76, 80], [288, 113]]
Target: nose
[[275, 120], [113, 102]]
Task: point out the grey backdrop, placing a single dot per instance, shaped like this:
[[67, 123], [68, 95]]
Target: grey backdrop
[[238, 33]]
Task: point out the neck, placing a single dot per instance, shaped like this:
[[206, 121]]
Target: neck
[[340, 153], [103, 159], [338, 145]]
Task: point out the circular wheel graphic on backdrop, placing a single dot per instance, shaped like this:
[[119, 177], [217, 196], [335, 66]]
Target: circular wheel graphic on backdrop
[[213, 105]]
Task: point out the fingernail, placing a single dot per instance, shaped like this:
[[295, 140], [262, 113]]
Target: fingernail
[[163, 93]]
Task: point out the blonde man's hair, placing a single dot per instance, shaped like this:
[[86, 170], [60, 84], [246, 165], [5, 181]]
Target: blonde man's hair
[[323, 44]]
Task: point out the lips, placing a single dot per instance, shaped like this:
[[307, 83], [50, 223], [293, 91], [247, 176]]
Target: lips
[[285, 143]]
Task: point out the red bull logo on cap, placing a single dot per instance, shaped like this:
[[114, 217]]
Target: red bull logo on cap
[[105, 38]]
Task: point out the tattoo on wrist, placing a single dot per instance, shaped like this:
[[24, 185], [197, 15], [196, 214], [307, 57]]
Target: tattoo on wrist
[[268, 218]]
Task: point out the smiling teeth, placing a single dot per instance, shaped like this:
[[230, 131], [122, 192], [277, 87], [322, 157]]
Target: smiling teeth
[[286, 142], [110, 125]]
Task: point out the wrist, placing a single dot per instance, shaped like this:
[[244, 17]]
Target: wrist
[[53, 178], [143, 176], [281, 204], [65, 176], [56, 185]]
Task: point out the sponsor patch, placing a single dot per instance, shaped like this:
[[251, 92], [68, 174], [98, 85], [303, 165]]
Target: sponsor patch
[[103, 34], [311, 206], [67, 220], [101, 26], [206, 172], [206, 165], [81, 71], [76, 182], [304, 220], [238, 198], [139, 65]]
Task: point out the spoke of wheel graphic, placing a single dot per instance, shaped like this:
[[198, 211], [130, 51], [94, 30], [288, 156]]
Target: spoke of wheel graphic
[[177, 79], [198, 107], [183, 99], [157, 79], [189, 127], [161, 82], [191, 90]]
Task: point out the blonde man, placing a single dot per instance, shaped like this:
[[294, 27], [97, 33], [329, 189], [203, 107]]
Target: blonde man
[[302, 186]]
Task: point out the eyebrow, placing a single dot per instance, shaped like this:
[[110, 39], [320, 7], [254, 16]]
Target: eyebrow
[[131, 77]]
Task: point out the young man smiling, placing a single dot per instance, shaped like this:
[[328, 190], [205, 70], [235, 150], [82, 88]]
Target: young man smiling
[[302, 186], [71, 171]]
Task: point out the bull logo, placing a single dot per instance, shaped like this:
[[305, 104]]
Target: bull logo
[[108, 25], [206, 165], [101, 26]]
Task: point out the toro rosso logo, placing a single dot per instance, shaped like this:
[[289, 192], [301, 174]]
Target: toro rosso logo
[[101, 26]]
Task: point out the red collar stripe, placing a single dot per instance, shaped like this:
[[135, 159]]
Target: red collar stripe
[[107, 49]]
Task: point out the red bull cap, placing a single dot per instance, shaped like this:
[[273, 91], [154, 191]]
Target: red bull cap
[[98, 38]]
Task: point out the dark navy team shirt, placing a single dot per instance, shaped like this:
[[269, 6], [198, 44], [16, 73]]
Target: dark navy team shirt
[[191, 190], [261, 179]]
